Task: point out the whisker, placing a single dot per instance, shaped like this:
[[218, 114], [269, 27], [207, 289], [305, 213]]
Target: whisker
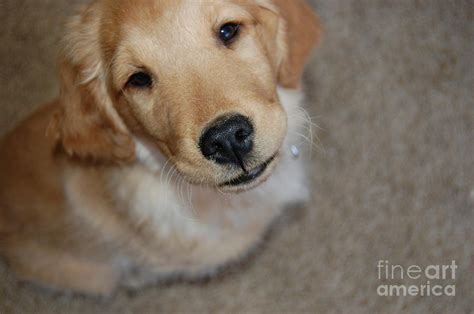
[[308, 124], [189, 191]]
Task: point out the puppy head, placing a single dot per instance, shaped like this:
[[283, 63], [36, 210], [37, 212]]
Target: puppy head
[[196, 78]]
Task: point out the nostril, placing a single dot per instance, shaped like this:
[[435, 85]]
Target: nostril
[[241, 135], [211, 150], [217, 147]]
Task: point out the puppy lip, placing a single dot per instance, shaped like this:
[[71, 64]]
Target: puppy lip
[[250, 175]]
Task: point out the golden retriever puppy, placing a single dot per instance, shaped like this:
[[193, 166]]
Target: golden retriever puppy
[[170, 149]]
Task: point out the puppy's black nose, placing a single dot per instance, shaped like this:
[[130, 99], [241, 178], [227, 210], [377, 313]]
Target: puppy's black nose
[[228, 141]]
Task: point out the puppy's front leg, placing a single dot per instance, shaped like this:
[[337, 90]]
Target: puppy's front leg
[[59, 270]]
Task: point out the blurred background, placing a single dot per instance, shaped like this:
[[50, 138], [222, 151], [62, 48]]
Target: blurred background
[[392, 89]]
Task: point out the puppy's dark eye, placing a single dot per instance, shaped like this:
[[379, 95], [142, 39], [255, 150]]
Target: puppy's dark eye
[[228, 32], [140, 79]]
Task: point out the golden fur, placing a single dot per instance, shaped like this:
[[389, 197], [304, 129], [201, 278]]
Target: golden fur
[[106, 186]]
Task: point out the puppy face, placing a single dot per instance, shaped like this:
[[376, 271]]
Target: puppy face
[[198, 79]]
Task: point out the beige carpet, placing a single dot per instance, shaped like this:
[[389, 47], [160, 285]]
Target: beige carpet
[[392, 88]]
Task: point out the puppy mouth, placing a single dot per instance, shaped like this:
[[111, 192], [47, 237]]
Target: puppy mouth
[[248, 176]]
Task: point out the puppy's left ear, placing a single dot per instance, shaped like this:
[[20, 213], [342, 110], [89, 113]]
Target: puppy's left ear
[[296, 32]]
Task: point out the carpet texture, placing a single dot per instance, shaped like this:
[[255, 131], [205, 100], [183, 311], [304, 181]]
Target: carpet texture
[[392, 174]]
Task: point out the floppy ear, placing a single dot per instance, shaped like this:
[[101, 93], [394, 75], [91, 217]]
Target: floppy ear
[[296, 32], [87, 125]]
